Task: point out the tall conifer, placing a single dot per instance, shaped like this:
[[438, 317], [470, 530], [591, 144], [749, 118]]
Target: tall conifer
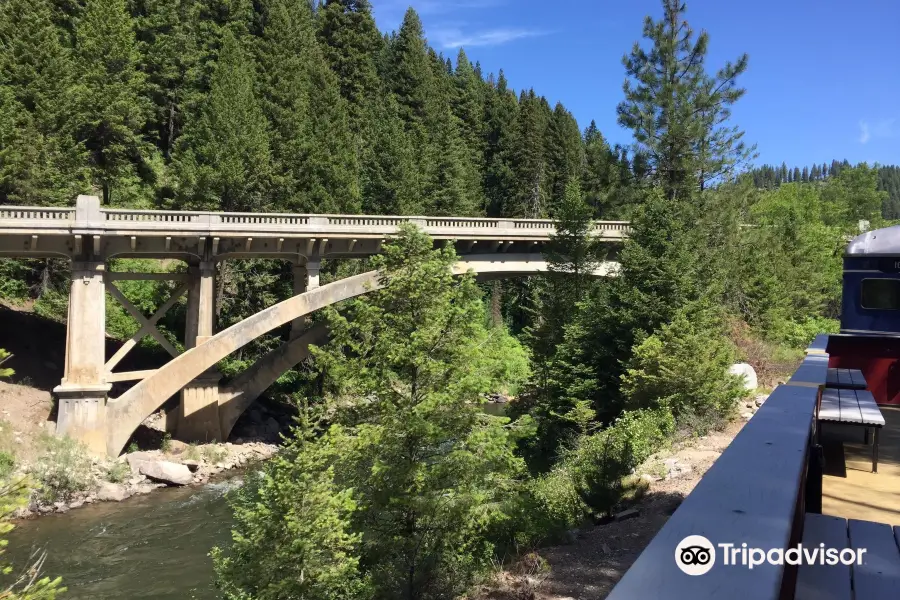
[[224, 159], [110, 106]]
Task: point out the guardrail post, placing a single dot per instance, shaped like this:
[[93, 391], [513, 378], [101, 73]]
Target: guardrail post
[[87, 212], [82, 392]]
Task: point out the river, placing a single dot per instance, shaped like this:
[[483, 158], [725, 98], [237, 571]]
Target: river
[[153, 546]]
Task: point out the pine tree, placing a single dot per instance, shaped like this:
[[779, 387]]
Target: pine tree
[[108, 103], [34, 63], [468, 107], [784, 172], [599, 174], [805, 176], [815, 175], [411, 77], [40, 162], [168, 35], [451, 183], [658, 275], [573, 255], [224, 159], [677, 111], [429, 469], [565, 154], [824, 171], [529, 190], [501, 109], [835, 168], [292, 533], [796, 176], [391, 182], [313, 150], [351, 43]]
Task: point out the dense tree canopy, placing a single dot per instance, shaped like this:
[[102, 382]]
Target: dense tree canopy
[[396, 483]]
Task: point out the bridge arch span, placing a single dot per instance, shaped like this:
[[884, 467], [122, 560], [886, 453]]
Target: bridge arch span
[[125, 413]]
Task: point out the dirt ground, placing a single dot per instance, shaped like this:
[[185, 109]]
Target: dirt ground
[[595, 560], [24, 416]]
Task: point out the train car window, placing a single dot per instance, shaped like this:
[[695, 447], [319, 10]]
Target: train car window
[[881, 294]]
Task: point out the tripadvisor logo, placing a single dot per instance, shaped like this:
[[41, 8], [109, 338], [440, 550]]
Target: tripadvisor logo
[[696, 555]]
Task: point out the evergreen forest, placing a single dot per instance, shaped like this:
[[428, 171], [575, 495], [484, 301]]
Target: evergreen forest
[[396, 483]]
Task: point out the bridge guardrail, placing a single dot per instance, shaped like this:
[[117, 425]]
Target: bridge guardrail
[[88, 215]]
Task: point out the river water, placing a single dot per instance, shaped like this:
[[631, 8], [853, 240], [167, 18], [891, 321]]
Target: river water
[[153, 546]]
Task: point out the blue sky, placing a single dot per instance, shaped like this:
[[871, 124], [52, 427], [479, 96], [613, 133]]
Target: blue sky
[[823, 81]]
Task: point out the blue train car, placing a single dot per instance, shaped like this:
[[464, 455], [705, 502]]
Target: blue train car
[[871, 298]]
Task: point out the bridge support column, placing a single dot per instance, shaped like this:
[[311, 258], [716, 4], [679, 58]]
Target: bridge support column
[[82, 392], [306, 278], [198, 415]]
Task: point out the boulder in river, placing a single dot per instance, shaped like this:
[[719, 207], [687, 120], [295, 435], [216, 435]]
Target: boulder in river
[[111, 492], [167, 472], [136, 459]]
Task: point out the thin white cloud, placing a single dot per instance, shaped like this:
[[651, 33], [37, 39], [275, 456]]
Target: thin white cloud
[[883, 128], [456, 38]]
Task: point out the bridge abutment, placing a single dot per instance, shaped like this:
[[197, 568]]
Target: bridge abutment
[[82, 392], [198, 410]]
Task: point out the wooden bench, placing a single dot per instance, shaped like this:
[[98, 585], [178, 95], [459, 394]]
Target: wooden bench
[[846, 378], [853, 407], [877, 578]]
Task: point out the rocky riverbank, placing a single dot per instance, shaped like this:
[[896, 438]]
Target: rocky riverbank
[[142, 472]]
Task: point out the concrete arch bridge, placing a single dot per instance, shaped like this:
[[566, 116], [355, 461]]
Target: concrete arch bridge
[[89, 236]]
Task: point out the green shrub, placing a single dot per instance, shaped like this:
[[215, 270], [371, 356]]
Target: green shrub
[[166, 444], [801, 334], [118, 472], [506, 360], [554, 506], [63, 469], [12, 280], [600, 461], [192, 452], [132, 447], [53, 305], [593, 477], [684, 366], [7, 464], [214, 453], [3, 356]]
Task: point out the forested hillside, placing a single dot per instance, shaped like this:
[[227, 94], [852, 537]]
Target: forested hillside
[[396, 484], [770, 176], [274, 106]]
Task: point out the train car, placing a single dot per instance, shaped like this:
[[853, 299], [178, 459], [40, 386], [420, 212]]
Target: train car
[[869, 338]]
